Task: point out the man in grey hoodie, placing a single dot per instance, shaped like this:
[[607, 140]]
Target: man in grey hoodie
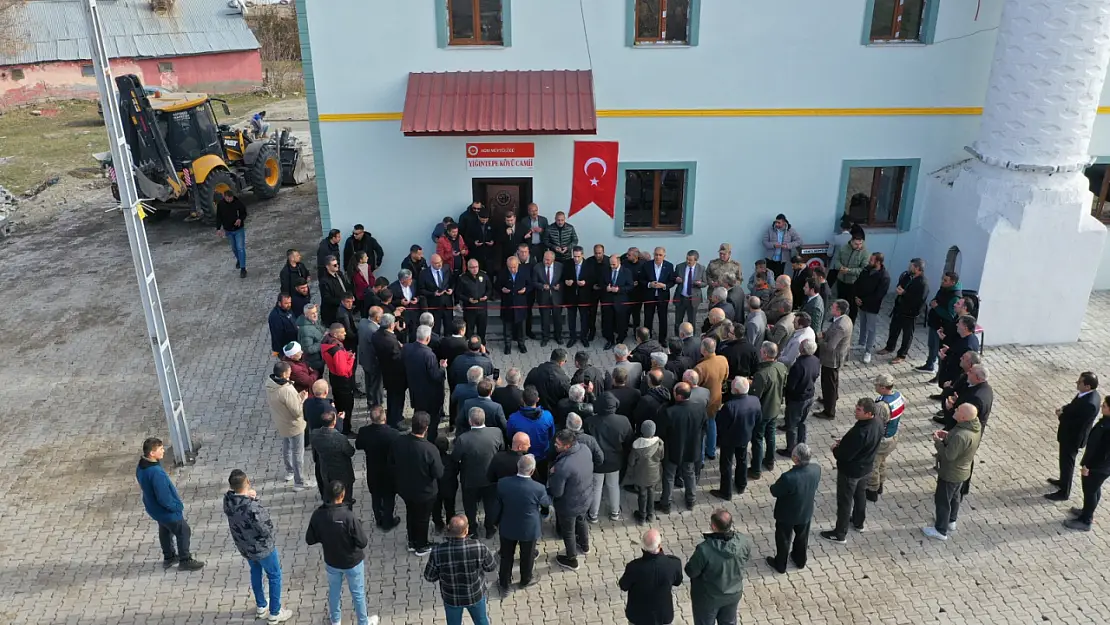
[[253, 534], [570, 487]]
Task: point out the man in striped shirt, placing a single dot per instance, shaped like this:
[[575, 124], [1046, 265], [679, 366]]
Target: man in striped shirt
[[884, 386]]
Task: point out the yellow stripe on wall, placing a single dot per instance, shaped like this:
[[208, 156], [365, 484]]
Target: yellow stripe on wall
[[786, 112]]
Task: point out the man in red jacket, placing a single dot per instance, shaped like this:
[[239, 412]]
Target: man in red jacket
[[452, 249], [341, 372]]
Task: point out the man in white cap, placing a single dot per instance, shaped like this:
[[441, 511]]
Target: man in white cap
[[302, 375]]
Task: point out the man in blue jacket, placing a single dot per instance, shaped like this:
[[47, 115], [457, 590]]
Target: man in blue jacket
[[519, 499], [164, 506], [539, 425], [282, 322]]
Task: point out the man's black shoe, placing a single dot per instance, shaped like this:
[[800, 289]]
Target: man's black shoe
[[571, 342], [781, 428], [192, 564], [719, 494], [522, 347], [586, 344], [832, 536], [872, 495], [769, 466], [522, 585], [662, 508], [567, 562], [169, 562], [508, 349], [938, 420], [608, 345], [1057, 496], [785, 453], [543, 343], [1055, 482], [936, 396], [754, 475], [531, 335], [242, 274], [771, 561]]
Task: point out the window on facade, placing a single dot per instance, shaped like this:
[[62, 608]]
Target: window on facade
[[897, 20], [1099, 178], [654, 199], [474, 22], [874, 194], [662, 21], [165, 66], [87, 71], [17, 74]]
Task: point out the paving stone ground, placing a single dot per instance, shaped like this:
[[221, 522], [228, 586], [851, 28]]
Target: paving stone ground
[[79, 395]]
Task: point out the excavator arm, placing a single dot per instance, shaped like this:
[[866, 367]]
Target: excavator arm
[[154, 169]]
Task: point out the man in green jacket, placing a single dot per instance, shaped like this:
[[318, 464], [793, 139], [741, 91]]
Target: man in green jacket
[[768, 385], [850, 261], [716, 572], [955, 454]]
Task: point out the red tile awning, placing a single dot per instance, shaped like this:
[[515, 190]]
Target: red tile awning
[[500, 103]]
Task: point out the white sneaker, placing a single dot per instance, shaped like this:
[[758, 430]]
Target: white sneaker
[[373, 620], [282, 616], [289, 477], [951, 526], [866, 358], [262, 612], [932, 532]]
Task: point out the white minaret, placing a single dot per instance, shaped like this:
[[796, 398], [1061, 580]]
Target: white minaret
[[1019, 211]]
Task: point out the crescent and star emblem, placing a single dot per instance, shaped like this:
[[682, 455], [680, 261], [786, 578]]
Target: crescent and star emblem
[[604, 169]]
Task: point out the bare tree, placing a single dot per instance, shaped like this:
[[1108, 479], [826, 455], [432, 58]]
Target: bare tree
[[10, 41]]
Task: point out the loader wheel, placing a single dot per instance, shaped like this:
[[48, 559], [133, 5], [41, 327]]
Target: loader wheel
[[208, 193], [265, 174]]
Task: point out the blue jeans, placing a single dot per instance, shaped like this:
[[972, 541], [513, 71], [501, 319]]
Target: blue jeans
[[477, 613], [238, 241], [356, 583], [934, 347], [710, 439], [272, 567]]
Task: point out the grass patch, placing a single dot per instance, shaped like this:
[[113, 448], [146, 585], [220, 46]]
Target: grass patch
[[63, 139]]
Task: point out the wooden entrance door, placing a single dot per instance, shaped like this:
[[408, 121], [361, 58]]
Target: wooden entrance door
[[502, 199]]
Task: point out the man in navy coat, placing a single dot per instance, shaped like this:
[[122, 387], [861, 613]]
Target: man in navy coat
[[518, 507], [736, 421], [1076, 420], [514, 286], [658, 278], [424, 375], [794, 492], [615, 288]]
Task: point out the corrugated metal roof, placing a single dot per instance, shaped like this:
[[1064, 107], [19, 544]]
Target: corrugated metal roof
[[54, 30], [500, 103]]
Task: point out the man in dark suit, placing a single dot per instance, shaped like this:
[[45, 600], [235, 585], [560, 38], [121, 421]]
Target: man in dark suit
[[528, 264], [547, 278], [451, 347], [495, 414], [471, 454], [657, 278], [550, 380], [415, 261], [510, 396], [406, 294], [517, 510], [388, 351], [576, 296], [514, 286], [737, 297], [474, 357], [596, 268], [416, 467], [473, 290], [736, 421], [617, 285], [375, 440], [437, 285], [1076, 420], [794, 492], [648, 581], [634, 262], [425, 375], [799, 273], [682, 446], [534, 226], [508, 236], [689, 281]]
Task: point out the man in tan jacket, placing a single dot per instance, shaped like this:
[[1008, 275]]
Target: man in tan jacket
[[712, 372], [286, 409], [833, 350]]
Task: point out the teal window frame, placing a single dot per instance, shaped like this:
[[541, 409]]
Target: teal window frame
[[630, 28], [928, 26], [443, 25], [909, 189], [691, 169]]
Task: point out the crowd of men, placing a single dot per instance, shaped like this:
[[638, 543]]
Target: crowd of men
[[523, 446]]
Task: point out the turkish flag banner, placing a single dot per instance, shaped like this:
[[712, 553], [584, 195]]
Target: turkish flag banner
[[595, 176]]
